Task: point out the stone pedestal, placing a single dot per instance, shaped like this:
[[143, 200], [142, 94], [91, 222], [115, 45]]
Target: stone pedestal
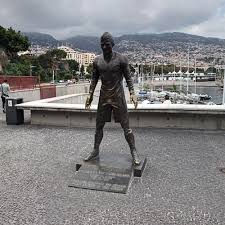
[[109, 172]]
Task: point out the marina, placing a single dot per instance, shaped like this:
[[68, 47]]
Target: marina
[[203, 95], [188, 88]]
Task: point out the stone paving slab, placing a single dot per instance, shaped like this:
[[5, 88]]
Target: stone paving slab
[[182, 183], [108, 172]]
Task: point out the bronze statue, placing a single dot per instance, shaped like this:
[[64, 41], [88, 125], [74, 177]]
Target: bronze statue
[[111, 67]]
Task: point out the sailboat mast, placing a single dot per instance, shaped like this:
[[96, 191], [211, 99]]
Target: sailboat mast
[[188, 72], [162, 77], [195, 77]]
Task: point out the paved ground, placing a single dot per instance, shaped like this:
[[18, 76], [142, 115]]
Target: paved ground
[[181, 185]]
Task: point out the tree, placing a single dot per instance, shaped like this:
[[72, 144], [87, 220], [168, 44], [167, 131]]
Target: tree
[[73, 65], [82, 70], [90, 68], [51, 58], [45, 61], [12, 41], [88, 76], [57, 54]]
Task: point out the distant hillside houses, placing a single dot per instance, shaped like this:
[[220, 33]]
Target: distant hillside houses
[[35, 50], [84, 59]]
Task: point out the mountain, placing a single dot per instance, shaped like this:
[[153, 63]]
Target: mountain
[[151, 48], [87, 43], [36, 38], [125, 42], [171, 37], [92, 44]]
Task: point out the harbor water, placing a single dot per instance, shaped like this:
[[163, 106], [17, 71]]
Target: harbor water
[[215, 92]]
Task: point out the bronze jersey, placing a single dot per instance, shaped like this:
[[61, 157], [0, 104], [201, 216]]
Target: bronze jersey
[[112, 96], [111, 74]]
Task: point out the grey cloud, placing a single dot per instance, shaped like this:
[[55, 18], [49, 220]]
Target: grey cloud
[[211, 28], [43, 14], [92, 17]]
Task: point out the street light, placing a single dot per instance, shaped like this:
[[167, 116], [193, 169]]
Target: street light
[[53, 76], [31, 69]]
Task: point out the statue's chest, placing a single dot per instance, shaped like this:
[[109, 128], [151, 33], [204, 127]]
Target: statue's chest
[[109, 70]]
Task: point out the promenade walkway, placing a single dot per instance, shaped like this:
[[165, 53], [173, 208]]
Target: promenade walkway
[[182, 183]]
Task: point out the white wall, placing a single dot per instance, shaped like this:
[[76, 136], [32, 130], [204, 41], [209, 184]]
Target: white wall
[[27, 95], [34, 94], [72, 89]]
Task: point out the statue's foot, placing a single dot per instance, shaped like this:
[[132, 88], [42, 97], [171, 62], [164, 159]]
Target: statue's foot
[[136, 160], [93, 155]]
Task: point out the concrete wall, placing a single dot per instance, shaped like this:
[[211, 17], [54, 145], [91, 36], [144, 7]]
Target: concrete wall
[[141, 119], [70, 111], [34, 94], [27, 95], [72, 89]]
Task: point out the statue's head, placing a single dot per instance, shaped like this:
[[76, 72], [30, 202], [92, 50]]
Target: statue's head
[[107, 42]]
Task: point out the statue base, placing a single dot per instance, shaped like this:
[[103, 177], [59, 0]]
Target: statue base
[[111, 173]]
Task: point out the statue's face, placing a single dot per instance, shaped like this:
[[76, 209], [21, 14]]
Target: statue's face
[[106, 46]]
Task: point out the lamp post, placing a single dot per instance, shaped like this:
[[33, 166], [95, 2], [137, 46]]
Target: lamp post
[[31, 69], [53, 76]]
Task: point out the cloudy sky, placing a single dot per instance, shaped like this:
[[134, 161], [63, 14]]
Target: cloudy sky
[[66, 18]]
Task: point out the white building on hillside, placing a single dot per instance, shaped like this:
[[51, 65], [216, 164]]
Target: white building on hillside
[[84, 59]]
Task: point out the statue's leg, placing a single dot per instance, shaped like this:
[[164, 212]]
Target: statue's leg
[[98, 138], [130, 140]]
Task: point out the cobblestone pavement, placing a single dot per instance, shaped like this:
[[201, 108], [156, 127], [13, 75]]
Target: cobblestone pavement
[[182, 183]]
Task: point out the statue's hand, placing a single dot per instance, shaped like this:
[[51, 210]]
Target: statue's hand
[[88, 102], [133, 98]]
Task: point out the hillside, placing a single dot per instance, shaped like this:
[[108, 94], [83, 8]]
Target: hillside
[[153, 48], [36, 38], [90, 43]]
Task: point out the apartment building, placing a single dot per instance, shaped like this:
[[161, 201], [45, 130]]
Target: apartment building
[[84, 59]]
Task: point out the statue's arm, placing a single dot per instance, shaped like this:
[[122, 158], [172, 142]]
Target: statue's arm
[[94, 81], [126, 73]]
